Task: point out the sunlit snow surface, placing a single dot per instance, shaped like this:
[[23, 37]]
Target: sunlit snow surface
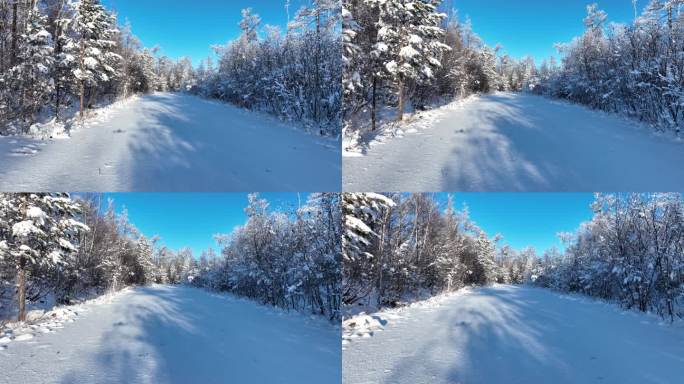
[[173, 142], [509, 334], [166, 334], [516, 142]]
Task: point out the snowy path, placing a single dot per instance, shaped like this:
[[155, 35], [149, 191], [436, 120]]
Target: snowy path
[[513, 142], [174, 142], [507, 334], [165, 334]]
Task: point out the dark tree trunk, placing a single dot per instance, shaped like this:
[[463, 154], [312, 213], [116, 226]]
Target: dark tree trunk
[[21, 297]]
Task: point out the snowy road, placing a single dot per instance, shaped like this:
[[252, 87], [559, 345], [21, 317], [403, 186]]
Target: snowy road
[[513, 142], [174, 142], [507, 334], [165, 334]]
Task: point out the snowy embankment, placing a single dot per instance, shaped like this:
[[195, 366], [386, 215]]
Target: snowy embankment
[[39, 321], [513, 334], [173, 142], [171, 334], [517, 142]]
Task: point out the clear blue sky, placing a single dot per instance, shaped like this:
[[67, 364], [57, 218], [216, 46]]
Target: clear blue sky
[[188, 28], [192, 219], [532, 27], [526, 219], [183, 28]]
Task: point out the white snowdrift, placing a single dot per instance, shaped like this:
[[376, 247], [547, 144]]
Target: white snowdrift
[[41, 321], [364, 325]]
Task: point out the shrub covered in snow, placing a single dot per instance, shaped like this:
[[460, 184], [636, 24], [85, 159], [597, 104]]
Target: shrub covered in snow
[[632, 252]]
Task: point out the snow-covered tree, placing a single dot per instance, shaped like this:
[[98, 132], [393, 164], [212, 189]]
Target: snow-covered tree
[[145, 253], [290, 259], [35, 63], [410, 42], [94, 31], [633, 69], [631, 251], [37, 230]]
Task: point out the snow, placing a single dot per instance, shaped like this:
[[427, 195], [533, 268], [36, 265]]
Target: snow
[[513, 334], [64, 243], [174, 142], [90, 62], [55, 257], [39, 321], [36, 214], [408, 52], [353, 223], [516, 142], [52, 128], [391, 67], [43, 34], [25, 228], [167, 334]]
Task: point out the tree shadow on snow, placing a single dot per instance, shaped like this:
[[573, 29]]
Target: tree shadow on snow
[[513, 339], [196, 337], [187, 143], [517, 147]]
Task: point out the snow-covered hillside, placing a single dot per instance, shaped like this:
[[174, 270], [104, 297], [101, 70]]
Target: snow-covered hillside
[[518, 142], [171, 334], [514, 334], [173, 142]]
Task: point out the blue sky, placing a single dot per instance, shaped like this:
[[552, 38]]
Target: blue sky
[[526, 219], [192, 219], [532, 27], [181, 28]]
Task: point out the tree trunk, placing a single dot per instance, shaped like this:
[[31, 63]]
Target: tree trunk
[[374, 103], [58, 51], [92, 94], [22, 290], [400, 107], [3, 15], [82, 82], [82, 91], [13, 54]]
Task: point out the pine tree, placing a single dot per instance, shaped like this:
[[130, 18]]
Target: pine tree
[[94, 31], [40, 230], [410, 33], [145, 252], [34, 65]]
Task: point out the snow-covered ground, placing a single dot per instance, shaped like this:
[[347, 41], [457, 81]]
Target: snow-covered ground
[[173, 142], [517, 142], [512, 334], [167, 334], [46, 317]]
